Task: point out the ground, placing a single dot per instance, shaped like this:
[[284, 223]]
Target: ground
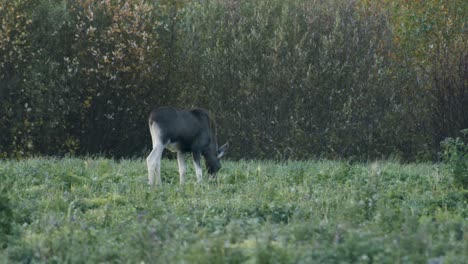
[[93, 210]]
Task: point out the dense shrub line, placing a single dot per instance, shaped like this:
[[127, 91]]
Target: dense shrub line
[[285, 79]]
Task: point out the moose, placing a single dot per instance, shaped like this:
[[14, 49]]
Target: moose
[[183, 131]]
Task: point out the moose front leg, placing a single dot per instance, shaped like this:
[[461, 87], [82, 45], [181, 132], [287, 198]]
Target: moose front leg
[[197, 164], [182, 168]]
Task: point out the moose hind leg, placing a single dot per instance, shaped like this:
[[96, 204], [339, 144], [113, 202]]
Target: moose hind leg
[[154, 165], [198, 168]]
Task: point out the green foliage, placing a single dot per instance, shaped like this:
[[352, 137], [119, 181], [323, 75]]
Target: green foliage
[[431, 40], [303, 70], [291, 79], [455, 154], [99, 210], [6, 211], [78, 73]]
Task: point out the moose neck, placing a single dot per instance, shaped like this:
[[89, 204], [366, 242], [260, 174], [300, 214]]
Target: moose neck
[[212, 162]]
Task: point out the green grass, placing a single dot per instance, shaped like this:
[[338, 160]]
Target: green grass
[[99, 210]]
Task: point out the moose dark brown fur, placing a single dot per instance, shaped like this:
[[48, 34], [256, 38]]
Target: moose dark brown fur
[[183, 131]]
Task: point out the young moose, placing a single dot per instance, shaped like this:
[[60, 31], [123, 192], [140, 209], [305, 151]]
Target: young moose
[[183, 131]]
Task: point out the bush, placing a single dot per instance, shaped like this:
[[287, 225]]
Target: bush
[[455, 154], [6, 212], [292, 79]]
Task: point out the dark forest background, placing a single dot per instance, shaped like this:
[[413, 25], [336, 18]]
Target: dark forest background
[[293, 79]]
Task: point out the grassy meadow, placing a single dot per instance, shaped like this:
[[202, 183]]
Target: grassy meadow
[[96, 210]]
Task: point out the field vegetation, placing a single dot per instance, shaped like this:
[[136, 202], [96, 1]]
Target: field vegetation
[[94, 210]]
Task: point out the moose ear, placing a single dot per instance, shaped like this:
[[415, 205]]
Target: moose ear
[[222, 150]]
